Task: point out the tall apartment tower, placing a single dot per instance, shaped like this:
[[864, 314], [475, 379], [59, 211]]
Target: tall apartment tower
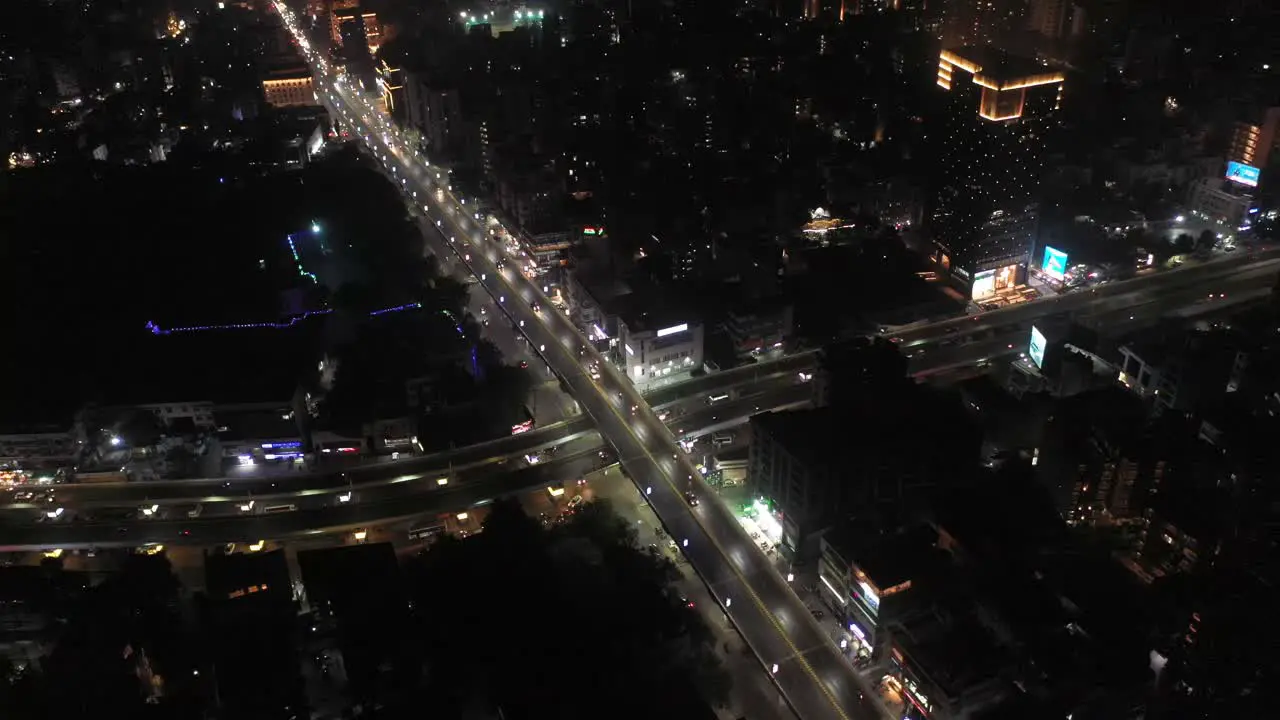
[[989, 142], [1253, 140], [335, 22]]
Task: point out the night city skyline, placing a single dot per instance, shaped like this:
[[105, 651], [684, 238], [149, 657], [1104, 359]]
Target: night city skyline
[[786, 359]]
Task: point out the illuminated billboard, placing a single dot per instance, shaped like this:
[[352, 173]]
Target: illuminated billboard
[[989, 282], [1243, 174], [1055, 263], [1036, 350], [673, 330], [523, 427]]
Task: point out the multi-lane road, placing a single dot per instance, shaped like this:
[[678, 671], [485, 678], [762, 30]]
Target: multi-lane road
[[807, 668], [94, 518], [743, 382], [323, 511]]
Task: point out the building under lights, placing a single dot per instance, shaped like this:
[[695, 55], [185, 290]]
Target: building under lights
[[289, 87], [990, 142], [391, 87]]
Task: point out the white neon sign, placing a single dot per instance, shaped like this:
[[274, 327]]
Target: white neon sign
[[673, 330]]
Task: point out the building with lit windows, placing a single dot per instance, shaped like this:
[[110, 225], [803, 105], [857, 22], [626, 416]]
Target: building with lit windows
[[289, 87], [355, 54], [656, 348], [335, 21], [391, 87], [1253, 140], [373, 32], [989, 142], [865, 581]]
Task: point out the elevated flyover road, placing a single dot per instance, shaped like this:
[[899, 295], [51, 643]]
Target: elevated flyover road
[[1145, 288], [740, 382], [1182, 305], [811, 673], [318, 512]]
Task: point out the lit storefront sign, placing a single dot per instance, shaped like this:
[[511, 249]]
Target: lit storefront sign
[[869, 594], [282, 445], [629, 350], [989, 282], [523, 427], [673, 330]]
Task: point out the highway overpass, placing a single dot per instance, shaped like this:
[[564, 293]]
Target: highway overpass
[[320, 510]]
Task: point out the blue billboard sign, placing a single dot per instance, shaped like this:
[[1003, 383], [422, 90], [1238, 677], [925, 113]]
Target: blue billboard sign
[[1055, 263], [1243, 174], [1036, 350]]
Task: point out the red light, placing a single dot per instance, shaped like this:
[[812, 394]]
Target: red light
[[348, 449]]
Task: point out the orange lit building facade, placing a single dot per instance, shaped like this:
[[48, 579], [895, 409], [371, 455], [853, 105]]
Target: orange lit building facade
[[989, 143], [289, 88]]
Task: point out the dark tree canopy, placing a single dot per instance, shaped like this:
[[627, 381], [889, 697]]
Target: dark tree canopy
[[570, 622]]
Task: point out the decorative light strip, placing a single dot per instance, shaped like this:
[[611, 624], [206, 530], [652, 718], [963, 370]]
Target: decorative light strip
[[397, 308], [157, 330], [298, 262], [960, 62]]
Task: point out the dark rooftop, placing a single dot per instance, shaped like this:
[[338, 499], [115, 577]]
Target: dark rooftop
[[890, 560], [222, 366], [259, 423]]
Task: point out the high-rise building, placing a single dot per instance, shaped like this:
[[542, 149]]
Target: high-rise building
[[1055, 19], [355, 54], [1253, 140], [335, 23], [989, 141]]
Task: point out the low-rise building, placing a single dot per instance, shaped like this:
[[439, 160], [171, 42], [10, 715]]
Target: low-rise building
[[289, 87], [946, 665], [868, 582], [38, 448], [659, 345], [1217, 200], [759, 327]]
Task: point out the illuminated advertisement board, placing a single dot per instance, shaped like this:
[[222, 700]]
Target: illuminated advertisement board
[[989, 282], [523, 427], [673, 330], [1036, 350], [1055, 263], [1243, 174]]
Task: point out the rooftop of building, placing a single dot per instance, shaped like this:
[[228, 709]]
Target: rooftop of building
[[892, 559], [811, 435], [257, 423], [1171, 341], [227, 574], [644, 312], [951, 647], [998, 65]]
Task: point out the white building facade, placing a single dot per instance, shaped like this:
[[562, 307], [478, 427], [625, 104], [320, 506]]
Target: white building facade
[[657, 353]]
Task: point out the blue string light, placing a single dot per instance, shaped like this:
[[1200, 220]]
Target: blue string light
[[284, 324], [397, 308]]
